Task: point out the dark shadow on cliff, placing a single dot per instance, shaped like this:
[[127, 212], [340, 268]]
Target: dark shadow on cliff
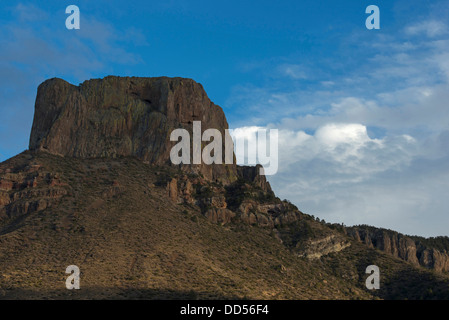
[[403, 281]]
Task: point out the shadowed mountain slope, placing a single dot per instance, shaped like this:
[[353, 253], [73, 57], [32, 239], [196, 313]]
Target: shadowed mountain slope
[[141, 228]]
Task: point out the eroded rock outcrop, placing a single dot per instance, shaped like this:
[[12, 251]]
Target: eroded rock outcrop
[[24, 190], [316, 248], [130, 116], [124, 116], [252, 175], [248, 200], [403, 247], [434, 259]]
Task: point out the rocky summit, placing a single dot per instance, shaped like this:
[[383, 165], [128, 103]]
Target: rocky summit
[[97, 190], [122, 116]]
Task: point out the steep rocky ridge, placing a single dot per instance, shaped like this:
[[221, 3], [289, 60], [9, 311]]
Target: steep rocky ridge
[[97, 189], [134, 116], [119, 224], [414, 250], [124, 116], [27, 189]]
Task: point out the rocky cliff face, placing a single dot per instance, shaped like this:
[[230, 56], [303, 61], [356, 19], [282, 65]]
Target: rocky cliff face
[[434, 259], [124, 116], [131, 116], [316, 248], [403, 247], [25, 190], [105, 197], [248, 200]]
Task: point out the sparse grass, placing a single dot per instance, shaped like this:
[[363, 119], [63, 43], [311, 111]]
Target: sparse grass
[[138, 244]]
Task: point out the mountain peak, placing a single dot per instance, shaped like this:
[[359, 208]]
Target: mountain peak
[[123, 116]]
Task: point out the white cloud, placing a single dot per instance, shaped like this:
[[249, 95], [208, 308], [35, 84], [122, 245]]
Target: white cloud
[[431, 28], [342, 175], [329, 163], [293, 71], [334, 134], [29, 12], [327, 83], [249, 136]]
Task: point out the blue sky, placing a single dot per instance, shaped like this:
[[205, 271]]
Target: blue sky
[[363, 114]]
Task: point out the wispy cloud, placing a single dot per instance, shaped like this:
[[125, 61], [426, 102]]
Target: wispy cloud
[[369, 145], [343, 175], [430, 28], [293, 71]]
